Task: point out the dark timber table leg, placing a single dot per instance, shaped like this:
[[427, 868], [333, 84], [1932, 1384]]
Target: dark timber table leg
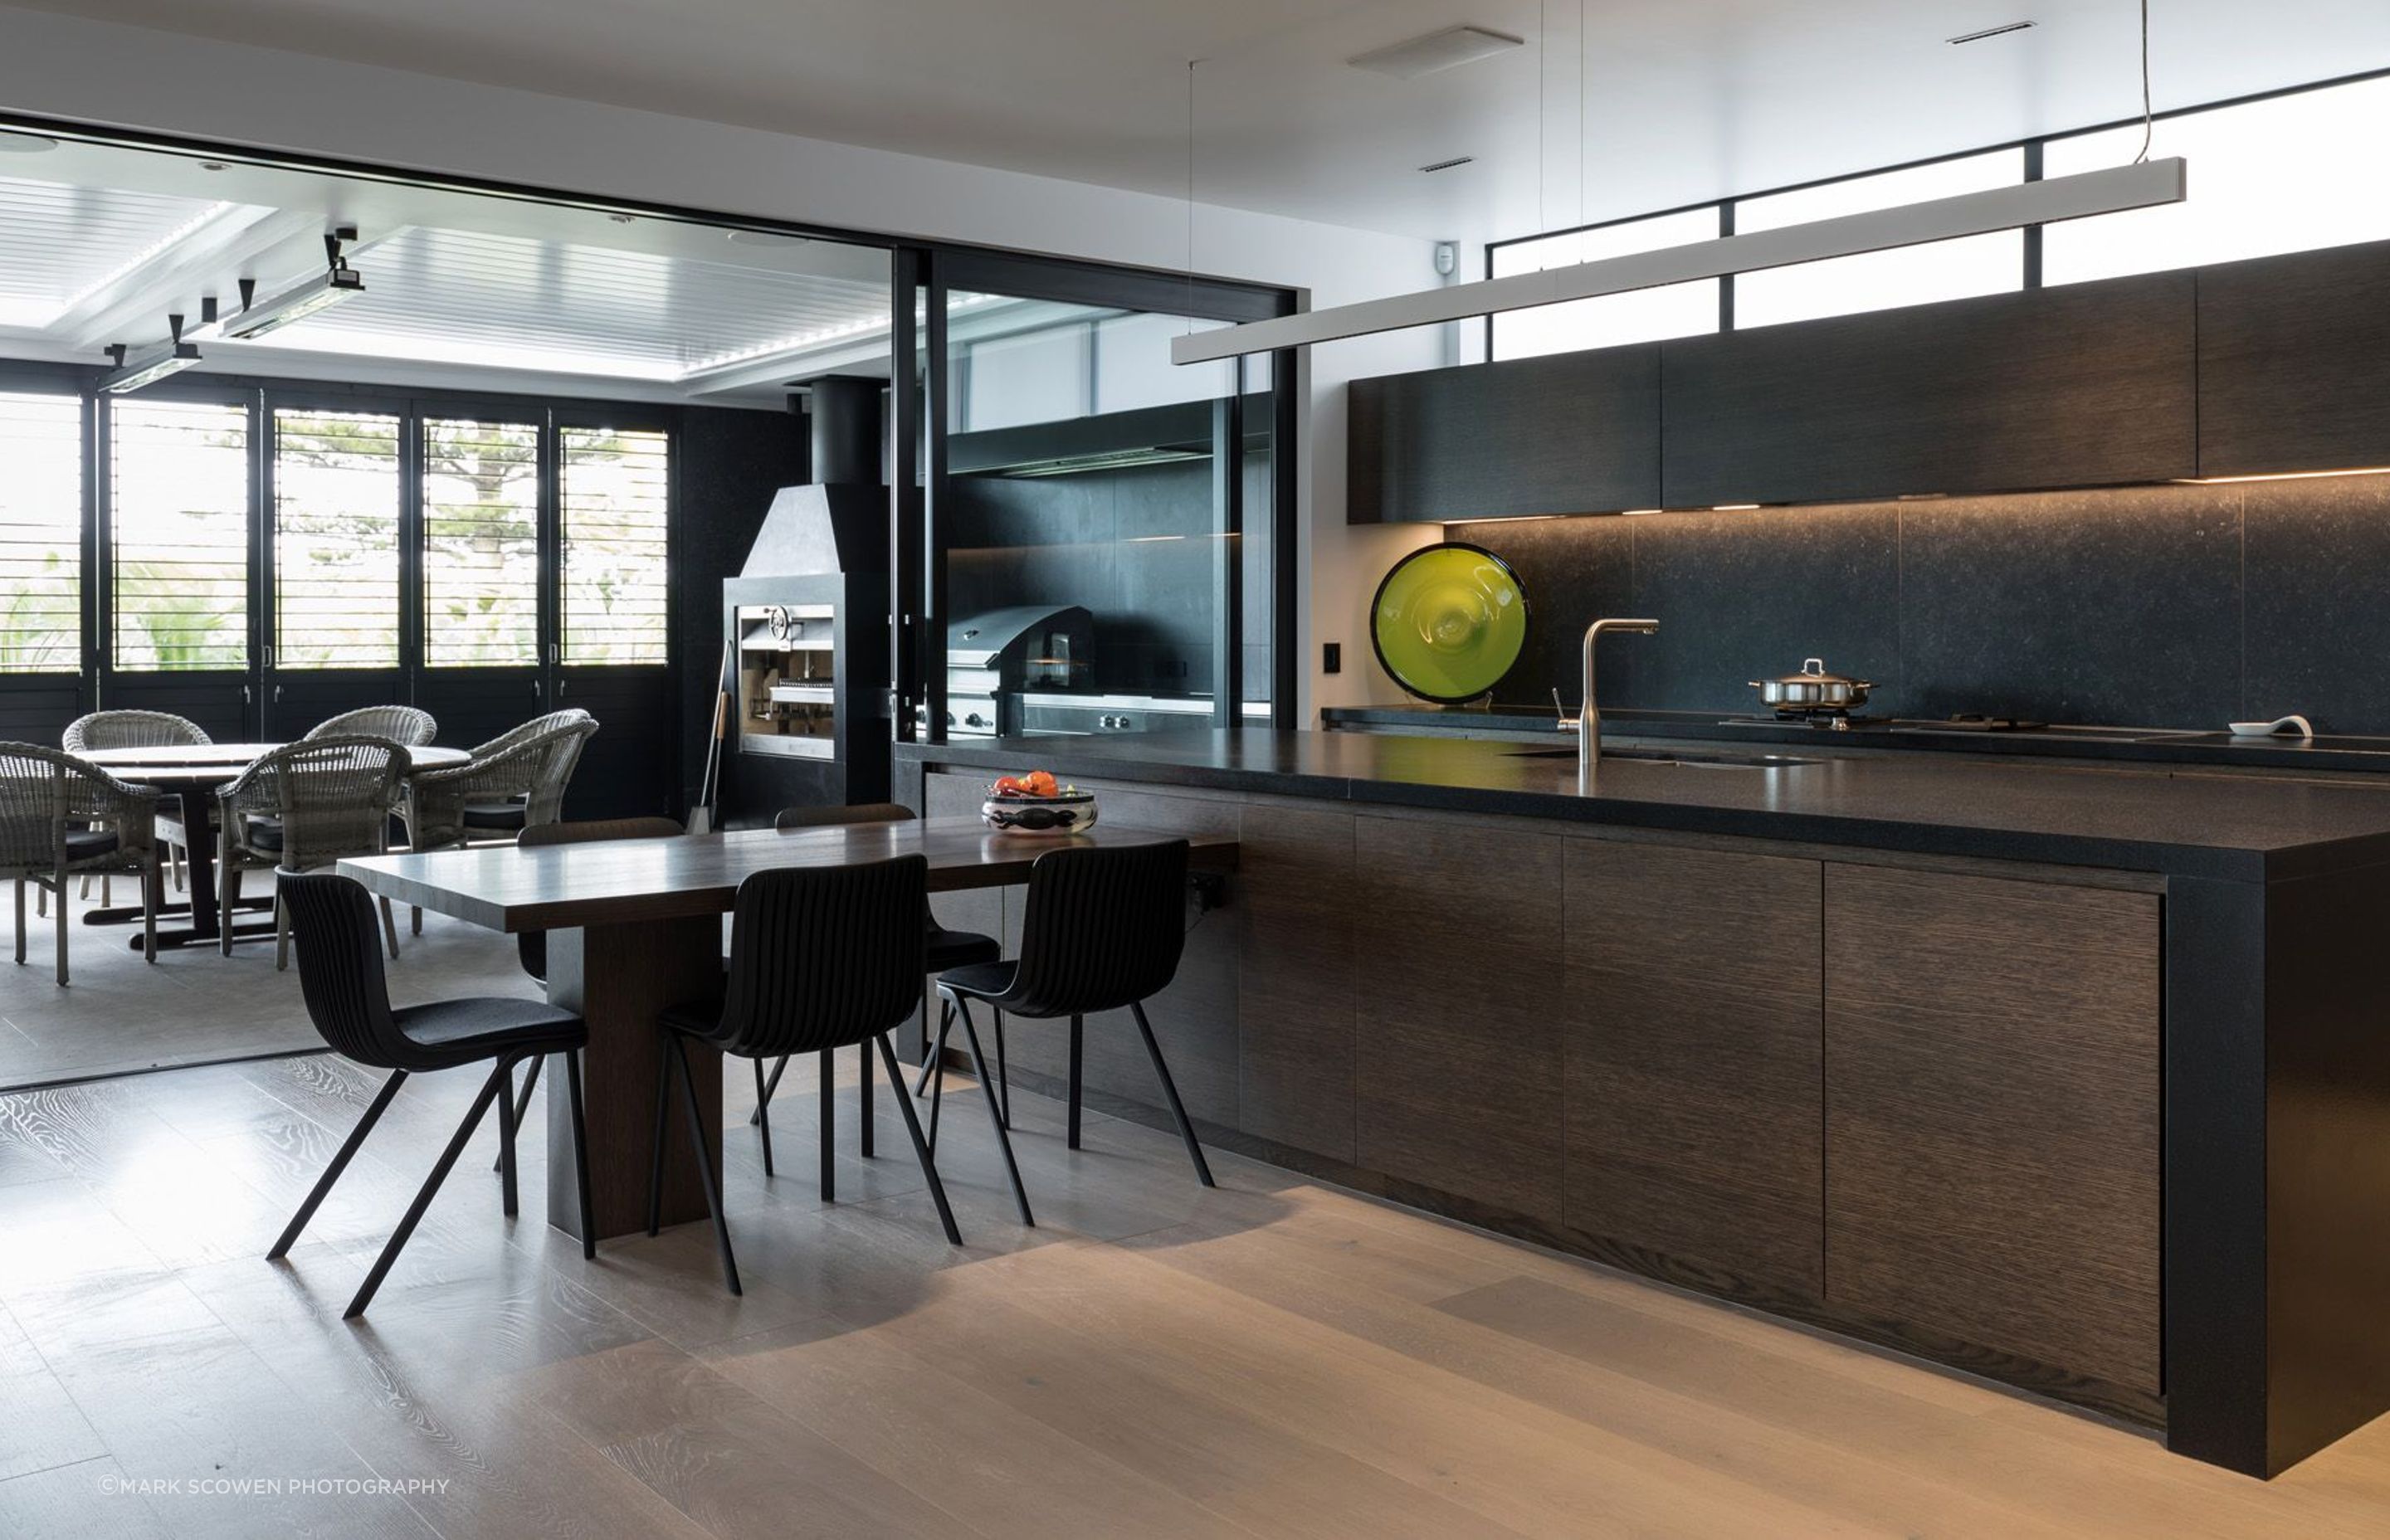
[[619, 978]]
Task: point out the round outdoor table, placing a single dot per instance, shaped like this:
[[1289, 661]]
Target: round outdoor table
[[186, 775]]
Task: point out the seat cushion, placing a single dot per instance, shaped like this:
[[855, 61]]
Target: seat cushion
[[262, 833], [949, 949], [84, 844], [495, 816], [460, 1031], [697, 1018], [981, 981]]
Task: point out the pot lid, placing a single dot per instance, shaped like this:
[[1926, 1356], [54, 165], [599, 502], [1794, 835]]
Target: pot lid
[[1813, 672]]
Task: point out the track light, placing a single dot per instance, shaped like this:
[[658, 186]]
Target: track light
[[174, 358], [338, 282]]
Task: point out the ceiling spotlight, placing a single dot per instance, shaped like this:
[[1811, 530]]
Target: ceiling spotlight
[[26, 144], [174, 358], [338, 282]]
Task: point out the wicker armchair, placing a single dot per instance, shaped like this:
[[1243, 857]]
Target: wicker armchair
[[514, 782], [136, 730], [306, 805], [403, 725], [60, 814]]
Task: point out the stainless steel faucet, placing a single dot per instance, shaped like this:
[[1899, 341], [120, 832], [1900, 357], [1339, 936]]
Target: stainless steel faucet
[[1589, 716]]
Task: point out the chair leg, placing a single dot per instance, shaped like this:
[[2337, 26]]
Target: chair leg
[[865, 1114], [107, 890], [62, 918], [522, 1103], [150, 895], [920, 1146], [414, 923], [656, 1145], [20, 919], [175, 867], [227, 887], [705, 1164], [41, 911], [764, 1099], [579, 1150], [491, 1089], [349, 1147], [762, 1118], [935, 1068], [1170, 1094], [828, 1130], [1078, 1040], [930, 1055], [508, 1187], [281, 932], [1003, 1087], [84, 891], [995, 1118], [390, 932]]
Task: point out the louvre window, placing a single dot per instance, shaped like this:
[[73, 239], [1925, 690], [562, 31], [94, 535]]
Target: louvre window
[[613, 505], [179, 528], [481, 543], [336, 501], [41, 534]]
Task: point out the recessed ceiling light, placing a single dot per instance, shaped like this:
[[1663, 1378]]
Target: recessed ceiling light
[[211, 165], [765, 237], [1446, 50], [2001, 30], [622, 219], [26, 144]]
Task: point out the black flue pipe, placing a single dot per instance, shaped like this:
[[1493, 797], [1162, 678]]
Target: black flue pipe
[[845, 414]]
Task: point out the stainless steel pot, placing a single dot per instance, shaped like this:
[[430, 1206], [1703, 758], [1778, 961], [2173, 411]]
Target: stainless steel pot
[[1813, 689]]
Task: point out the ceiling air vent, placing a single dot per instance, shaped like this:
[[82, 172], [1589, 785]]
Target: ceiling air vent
[[1447, 165], [1990, 32], [1445, 50]]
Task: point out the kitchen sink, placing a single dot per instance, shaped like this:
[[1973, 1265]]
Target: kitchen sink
[[1698, 759]]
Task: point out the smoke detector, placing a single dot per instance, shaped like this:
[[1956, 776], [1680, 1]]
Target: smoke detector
[[1448, 49]]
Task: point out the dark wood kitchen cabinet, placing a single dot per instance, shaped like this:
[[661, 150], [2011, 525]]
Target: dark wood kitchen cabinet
[[2086, 385], [1694, 1054], [1297, 978], [1992, 1114], [1575, 432], [2292, 373], [1457, 1083]]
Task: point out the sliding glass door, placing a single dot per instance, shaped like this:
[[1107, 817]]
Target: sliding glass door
[[1115, 515], [43, 440], [178, 629], [482, 505], [336, 477]]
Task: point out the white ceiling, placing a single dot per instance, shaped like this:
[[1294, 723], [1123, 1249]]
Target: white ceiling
[[101, 244], [1683, 99]]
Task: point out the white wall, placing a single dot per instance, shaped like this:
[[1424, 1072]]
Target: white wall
[[65, 66]]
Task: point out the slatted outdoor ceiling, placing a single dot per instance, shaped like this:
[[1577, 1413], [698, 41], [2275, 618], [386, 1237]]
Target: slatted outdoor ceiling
[[470, 297], [58, 241], [613, 504], [180, 523], [336, 505], [481, 543], [41, 534]]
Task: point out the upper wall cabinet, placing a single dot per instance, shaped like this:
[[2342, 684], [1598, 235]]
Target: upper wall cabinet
[[2294, 363], [1574, 432], [2087, 385]]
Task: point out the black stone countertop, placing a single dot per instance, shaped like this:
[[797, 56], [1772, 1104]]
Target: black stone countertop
[[2178, 820], [2121, 745]]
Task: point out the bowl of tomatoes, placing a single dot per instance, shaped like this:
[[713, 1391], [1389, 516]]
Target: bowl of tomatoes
[[1037, 803]]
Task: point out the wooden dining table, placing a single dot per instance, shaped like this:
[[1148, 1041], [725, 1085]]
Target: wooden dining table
[[186, 776], [635, 926]]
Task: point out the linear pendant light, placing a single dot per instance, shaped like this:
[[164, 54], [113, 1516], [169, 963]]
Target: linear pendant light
[[2141, 185]]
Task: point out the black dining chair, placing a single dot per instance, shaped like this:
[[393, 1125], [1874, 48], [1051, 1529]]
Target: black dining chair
[[1103, 930], [942, 949], [820, 957], [531, 947], [348, 998]]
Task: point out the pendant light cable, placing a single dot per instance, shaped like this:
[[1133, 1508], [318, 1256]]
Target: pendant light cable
[[1543, 120], [1189, 317], [2148, 119]]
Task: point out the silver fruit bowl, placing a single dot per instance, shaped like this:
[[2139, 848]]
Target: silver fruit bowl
[[1066, 812]]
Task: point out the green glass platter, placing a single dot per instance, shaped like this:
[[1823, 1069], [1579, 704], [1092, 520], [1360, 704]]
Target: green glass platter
[[1449, 622]]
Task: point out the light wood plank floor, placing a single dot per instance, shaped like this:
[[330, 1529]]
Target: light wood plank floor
[[121, 1015], [1273, 1358]]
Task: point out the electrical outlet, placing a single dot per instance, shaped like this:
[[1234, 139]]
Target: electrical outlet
[[1331, 657]]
